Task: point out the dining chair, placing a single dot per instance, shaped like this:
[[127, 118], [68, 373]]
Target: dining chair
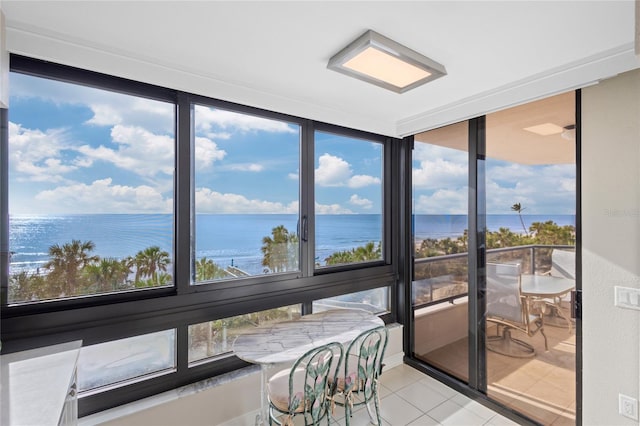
[[358, 378], [509, 310], [303, 390]]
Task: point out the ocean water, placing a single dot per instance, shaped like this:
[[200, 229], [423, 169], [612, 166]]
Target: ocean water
[[226, 239]]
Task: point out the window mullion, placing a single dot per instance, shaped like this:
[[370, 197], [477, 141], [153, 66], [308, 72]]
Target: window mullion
[[4, 205], [307, 200], [183, 200]]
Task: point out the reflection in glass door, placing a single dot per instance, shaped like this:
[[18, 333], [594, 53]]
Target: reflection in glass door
[[440, 284], [523, 186], [530, 262]]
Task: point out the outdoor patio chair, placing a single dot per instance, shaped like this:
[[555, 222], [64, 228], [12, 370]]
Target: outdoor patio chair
[[358, 378], [509, 310], [563, 264], [303, 390]]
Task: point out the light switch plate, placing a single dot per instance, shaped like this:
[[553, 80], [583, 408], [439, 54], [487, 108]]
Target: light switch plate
[[628, 406], [627, 297]]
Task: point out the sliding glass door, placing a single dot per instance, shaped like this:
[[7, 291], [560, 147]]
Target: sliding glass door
[[494, 228], [440, 285], [531, 217]]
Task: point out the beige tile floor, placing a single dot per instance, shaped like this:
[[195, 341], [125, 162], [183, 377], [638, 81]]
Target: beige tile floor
[[542, 387], [409, 397]]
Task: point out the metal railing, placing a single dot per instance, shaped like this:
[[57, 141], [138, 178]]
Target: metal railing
[[441, 281]]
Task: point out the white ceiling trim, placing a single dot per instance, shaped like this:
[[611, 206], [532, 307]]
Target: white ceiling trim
[[48, 44], [37, 43], [558, 80]]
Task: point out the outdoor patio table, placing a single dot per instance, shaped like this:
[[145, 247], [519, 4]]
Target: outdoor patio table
[[282, 342], [537, 287]]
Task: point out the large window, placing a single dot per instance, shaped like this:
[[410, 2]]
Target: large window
[[348, 190], [116, 197], [122, 361], [90, 191], [375, 301], [211, 339], [246, 195]]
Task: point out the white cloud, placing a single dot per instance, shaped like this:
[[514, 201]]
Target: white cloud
[[247, 167], [436, 167], [105, 115], [110, 109], [333, 171], [293, 176], [568, 185], [139, 151], [359, 181], [37, 156], [539, 189], [437, 173], [208, 201], [331, 209], [509, 172], [206, 119], [207, 152], [360, 202], [425, 151], [51, 170], [440, 177], [443, 201], [101, 196]]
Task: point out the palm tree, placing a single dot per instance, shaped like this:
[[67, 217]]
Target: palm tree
[[207, 269], [518, 208], [161, 279], [67, 261], [339, 258], [367, 252], [149, 262], [26, 286], [109, 274], [279, 252]]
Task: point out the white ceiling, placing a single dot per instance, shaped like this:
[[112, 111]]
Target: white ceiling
[[273, 55]]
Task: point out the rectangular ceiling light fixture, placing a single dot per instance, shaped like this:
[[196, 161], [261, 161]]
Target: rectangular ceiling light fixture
[[379, 60], [545, 129]]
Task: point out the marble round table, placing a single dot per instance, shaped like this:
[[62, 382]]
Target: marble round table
[[286, 341], [283, 342]]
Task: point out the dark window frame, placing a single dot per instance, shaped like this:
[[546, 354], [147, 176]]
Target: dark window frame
[[103, 318], [386, 189]]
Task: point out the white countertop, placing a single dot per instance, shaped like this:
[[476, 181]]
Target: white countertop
[[34, 384]]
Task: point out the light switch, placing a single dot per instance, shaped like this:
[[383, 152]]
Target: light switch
[[627, 297]]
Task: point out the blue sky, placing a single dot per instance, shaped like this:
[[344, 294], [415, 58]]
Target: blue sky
[[75, 149], [440, 179]]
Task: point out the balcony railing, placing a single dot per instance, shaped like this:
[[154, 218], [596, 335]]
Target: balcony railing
[[441, 279]]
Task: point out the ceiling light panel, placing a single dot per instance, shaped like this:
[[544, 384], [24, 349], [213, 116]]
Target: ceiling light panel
[[379, 60], [545, 129]]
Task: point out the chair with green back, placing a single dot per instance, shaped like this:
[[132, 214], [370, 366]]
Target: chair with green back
[[304, 389], [358, 379]]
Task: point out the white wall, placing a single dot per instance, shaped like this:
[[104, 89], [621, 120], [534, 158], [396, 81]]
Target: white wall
[[4, 63], [440, 325], [611, 245]]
